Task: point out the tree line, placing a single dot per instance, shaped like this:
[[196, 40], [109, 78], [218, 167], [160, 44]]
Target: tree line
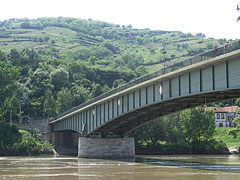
[[187, 132], [43, 86]]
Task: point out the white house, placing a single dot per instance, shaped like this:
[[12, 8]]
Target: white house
[[224, 115]]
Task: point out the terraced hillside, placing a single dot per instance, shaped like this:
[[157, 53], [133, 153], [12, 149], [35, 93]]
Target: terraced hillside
[[109, 43]]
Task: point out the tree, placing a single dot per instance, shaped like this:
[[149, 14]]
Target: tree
[[53, 42], [40, 40], [49, 104], [40, 81], [92, 60], [8, 77], [110, 46], [59, 78], [46, 38], [2, 56], [32, 59], [140, 71], [96, 91], [25, 59], [201, 35], [237, 102], [198, 125], [14, 57], [161, 129], [8, 135], [25, 25], [99, 52], [129, 26], [64, 100], [37, 106], [80, 94], [8, 87], [118, 82], [236, 121]]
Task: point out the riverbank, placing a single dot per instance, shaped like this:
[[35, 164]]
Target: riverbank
[[223, 143], [214, 148], [28, 144], [222, 134]]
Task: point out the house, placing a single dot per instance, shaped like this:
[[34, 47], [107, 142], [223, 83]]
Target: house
[[232, 113], [224, 115]]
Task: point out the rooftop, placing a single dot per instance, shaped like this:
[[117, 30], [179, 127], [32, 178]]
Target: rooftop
[[229, 109]]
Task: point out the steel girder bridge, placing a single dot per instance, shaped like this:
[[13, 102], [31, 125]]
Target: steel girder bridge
[[208, 77]]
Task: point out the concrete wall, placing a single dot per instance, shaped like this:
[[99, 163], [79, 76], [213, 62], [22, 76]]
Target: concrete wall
[[42, 125], [106, 148]]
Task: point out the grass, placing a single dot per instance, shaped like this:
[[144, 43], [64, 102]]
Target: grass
[[221, 135], [25, 134]]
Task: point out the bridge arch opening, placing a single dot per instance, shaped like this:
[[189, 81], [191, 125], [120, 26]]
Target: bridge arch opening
[[128, 121]]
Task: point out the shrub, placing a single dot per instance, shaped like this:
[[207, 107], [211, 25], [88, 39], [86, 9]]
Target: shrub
[[32, 145], [8, 135]]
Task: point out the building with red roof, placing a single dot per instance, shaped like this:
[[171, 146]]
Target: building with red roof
[[224, 116]]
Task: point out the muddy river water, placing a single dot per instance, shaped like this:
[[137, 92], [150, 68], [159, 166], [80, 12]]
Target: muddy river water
[[204, 167]]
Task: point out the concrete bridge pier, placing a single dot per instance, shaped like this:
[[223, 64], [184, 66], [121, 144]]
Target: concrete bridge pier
[[66, 142], [106, 147]]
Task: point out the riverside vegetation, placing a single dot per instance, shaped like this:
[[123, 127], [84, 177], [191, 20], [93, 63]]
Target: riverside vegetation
[[21, 142], [190, 131], [49, 65]]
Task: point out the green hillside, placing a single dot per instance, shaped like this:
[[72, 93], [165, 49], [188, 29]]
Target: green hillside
[[62, 62], [75, 38]]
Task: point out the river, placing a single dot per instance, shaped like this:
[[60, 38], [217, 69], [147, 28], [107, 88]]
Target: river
[[196, 167]]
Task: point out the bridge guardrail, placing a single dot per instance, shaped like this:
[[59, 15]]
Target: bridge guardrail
[[183, 63]]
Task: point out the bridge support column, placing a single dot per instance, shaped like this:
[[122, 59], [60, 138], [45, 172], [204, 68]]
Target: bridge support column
[[66, 143], [106, 148]]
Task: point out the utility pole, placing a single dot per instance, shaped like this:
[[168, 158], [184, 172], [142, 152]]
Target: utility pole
[[164, 60], [164, 52]]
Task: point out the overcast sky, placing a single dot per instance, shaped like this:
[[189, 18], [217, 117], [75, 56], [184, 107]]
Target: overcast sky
[[214, 18]]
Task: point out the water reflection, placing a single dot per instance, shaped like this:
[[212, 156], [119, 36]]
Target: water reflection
[[141, 168], [222, 167], [107, 169]]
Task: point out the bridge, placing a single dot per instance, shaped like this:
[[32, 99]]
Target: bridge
[[208, 77]]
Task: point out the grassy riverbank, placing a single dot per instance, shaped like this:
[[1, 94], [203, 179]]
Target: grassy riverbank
[[221, 143], [221, 134]]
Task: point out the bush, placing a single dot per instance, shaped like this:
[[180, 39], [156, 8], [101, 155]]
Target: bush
[[30, 144], [8, 135], [207, 147], [211, 147], [169, 149]]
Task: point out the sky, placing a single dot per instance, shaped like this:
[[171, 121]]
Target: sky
[[214, 18]]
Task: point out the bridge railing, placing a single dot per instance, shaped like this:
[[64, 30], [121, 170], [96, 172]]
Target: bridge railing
[[183, 63]]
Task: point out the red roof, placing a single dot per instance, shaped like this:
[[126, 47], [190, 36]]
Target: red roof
[[224, 109], [231, 109]]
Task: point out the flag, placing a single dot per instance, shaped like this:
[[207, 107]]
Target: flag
[[161, 90]]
